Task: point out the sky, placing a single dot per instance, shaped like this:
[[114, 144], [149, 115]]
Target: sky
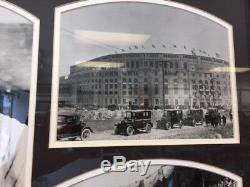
[[8, 16], [125, 27], [15, 50]]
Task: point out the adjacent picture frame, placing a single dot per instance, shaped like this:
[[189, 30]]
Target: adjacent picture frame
[[80, 103], [161, 171], [19, 42]]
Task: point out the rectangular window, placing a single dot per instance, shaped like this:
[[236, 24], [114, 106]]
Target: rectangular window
[[156, 89], [136, 89], [135, 101], [157, 101], [176, 65], [137, 64], [185, 65], [127, 64], [166, 88], [171, 64], [186, 103], [176, 89], [132, 64], [156, 64], [145, 89]]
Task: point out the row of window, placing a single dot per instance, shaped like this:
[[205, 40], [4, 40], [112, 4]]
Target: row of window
[[158, 101]]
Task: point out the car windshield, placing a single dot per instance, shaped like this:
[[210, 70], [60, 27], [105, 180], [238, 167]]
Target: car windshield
[[61, 119], [66, 119], [170, 113], [128, 114]]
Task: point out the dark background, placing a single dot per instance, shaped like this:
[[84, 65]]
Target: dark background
[[234, 158]]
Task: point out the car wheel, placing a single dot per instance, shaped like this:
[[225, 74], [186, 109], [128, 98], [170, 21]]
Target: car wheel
[[181, 124], [194, 123], [130, 130], [148, 128], [116, 130], [167, 126], [85, 134]]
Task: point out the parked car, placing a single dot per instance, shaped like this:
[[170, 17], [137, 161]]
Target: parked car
[[134, 121], [69, 125], [194, 117], [170, 119]]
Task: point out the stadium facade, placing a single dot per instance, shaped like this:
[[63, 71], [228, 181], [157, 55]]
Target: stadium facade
[[147, 80]]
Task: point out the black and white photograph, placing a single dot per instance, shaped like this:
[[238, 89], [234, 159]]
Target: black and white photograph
[[131, 73], [17, 66], [161, 173]]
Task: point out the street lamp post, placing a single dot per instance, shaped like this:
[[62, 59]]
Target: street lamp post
[[189, 89]]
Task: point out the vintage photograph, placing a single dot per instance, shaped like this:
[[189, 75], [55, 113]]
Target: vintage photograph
[[16, 69], [159, 175], [125, 76]]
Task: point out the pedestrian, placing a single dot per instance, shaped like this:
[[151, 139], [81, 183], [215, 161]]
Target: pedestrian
[[224, 120], [206, 118], [216, 119], [213, 119], [231, 116], [219, 119]]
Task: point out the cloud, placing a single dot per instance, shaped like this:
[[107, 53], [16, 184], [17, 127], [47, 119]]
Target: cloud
[[15, 61]]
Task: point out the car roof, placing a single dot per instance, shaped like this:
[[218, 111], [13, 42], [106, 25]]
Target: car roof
[[138, 110], [172, 110], [67, 113]]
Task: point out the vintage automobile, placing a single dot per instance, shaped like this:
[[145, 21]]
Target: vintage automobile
[[134, 121], [194, 117], [70, 126], [171, 118]]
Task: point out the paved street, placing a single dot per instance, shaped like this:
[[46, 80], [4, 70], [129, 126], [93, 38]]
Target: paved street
[[186, 132]]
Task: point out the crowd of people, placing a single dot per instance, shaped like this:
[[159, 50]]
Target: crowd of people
[[215, 119]]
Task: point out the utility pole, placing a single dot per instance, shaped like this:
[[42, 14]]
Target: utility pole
[[163, 85]]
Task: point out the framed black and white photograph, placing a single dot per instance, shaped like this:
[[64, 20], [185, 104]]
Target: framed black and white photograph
[[123, 76], [19, 34], [160, 173]]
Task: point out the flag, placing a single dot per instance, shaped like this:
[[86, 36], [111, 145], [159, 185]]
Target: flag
[[174, 46], [142, 47], [192, 51], [185, 47], [153, 45], [217, 55], [136, 47], [164, 46], [129, 48]]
